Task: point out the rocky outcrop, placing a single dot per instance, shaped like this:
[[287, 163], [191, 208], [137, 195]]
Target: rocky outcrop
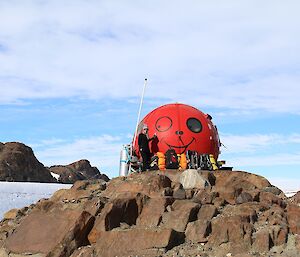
[[18, 163], [153, 214], [80, 170], [295, 198], [60, 231]]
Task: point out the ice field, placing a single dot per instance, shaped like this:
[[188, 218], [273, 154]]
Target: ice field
[[20, 194]]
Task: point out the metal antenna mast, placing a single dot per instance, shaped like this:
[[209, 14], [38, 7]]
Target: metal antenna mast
[[140, 109], [138, 120]]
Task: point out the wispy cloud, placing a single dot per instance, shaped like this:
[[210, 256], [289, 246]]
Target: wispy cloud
[[102, 151], [256, 142], [282, 159], [241, 58], [263, 151]]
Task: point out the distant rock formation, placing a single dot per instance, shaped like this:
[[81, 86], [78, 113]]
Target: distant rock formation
[[230, 213], [79, 170], [18, 163], [296, 199]]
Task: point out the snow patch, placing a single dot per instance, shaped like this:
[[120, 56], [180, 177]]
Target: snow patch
[[290, 193], [54, 175], [21, 194]]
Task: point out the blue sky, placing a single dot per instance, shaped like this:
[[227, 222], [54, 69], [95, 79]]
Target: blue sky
[[71, 74]]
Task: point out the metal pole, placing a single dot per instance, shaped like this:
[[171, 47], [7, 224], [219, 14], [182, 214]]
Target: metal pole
[[139, 114], [137, 122]]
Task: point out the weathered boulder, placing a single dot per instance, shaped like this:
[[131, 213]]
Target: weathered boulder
[[263, 241], [147, 183], [134, 241], [293, 216], [274, 190], [233, 229], [80, 190], [152, 212], [183, 212], [120, 210], [179, 193], [11, 214], [205, 196], [244, 197], [246, 211], [230, 184], [198, 231], [59, 232], [79, 170], [207, 212], [219, 202], [191, 178], [279, 234], [269, 199], [273, 216], [295, 198], [18, 163], [242, 179], [11, 221]]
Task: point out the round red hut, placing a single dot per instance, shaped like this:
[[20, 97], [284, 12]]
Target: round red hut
[[181, 127]]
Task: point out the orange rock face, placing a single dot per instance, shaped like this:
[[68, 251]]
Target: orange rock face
[[33, 234], [151, 214]]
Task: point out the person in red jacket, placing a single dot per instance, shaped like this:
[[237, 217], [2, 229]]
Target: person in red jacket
[[143, 142]]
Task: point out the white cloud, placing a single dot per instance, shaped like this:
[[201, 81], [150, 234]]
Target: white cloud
[[262, 151], [221, 54], [102, 151], [255, 142], [47, 143], [281, 159]]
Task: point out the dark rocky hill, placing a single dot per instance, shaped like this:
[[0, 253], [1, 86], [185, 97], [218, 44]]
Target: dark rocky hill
[[18, 163], [79, 170], [171, 213]]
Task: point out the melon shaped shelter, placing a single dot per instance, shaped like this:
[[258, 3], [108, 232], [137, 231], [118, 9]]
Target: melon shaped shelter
[[181, 127]]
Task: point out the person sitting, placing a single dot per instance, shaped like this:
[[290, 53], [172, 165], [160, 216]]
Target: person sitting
[[143, 142]]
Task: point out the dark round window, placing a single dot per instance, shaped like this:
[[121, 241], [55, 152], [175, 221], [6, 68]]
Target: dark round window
[[194, 125], [163, 124]]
